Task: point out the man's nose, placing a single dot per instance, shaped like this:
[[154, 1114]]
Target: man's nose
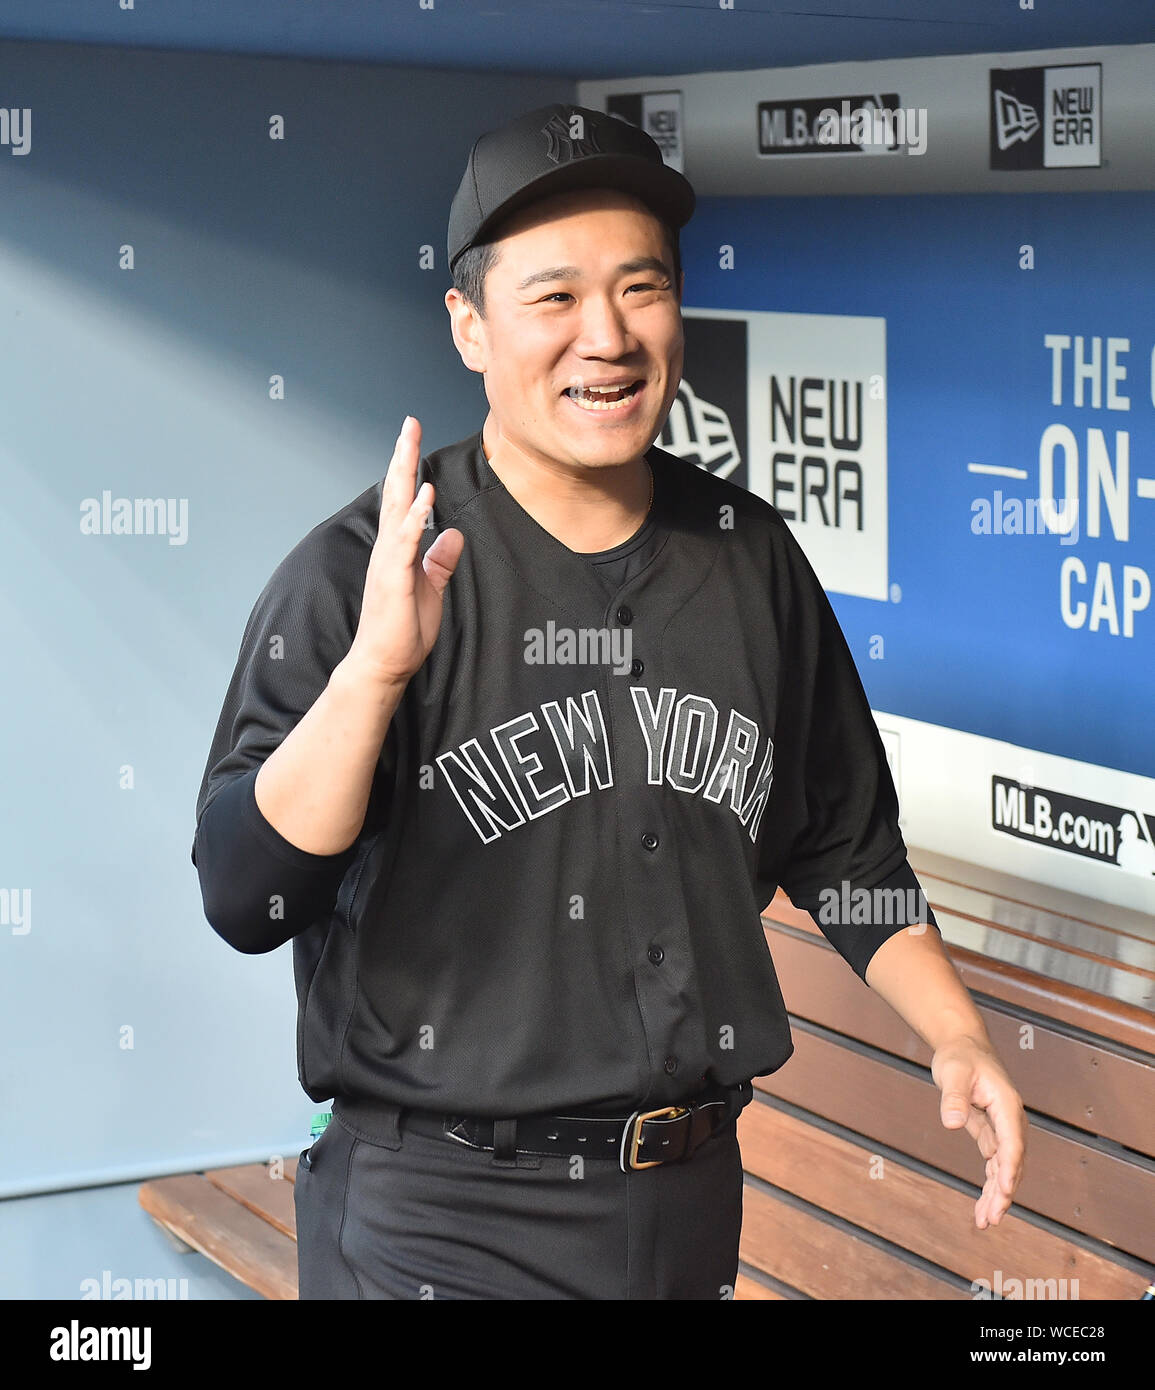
[[603, 331]]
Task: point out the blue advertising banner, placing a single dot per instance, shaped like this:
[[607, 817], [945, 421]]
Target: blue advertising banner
[[952, 401]]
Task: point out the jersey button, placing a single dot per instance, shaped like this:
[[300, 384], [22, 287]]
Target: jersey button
[[625, 615], [656, 955], [649, 839], [637, 666], [671, 1065]]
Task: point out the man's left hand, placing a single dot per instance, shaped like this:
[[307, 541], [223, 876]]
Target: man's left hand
[[977, 1093]]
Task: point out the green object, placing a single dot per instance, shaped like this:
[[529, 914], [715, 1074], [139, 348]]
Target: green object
[[320, 1122]]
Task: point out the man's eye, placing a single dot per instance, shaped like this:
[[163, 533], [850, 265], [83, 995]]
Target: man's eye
[[564, 294]]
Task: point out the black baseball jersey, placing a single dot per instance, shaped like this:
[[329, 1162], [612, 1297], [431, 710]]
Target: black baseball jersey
[[589, 792]]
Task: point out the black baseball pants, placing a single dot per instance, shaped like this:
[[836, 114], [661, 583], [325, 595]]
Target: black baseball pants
[[432, 1218]]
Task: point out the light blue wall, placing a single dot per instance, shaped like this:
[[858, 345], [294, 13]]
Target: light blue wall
[[252, 257], [78, 1244]]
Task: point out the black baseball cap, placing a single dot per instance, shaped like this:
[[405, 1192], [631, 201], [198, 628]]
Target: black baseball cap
[[551, 150]]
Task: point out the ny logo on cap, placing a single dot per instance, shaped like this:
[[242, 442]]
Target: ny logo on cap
[[569, 139]]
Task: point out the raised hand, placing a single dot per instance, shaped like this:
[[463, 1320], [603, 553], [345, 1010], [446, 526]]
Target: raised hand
[[402, 603]]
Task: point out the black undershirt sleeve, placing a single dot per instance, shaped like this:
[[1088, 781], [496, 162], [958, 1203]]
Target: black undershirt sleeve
[[257, 887], [261, 889]]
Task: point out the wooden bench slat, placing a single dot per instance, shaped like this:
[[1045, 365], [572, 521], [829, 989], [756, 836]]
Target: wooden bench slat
[[1031, 894], [1019, 988], [269, 1198], [747, 1289], [1117, 977], [1069, 1181], [1112, 958], [1093, 1013], [1082, 977], [908, 1208], [241, 1243], [1009, 914], [822, 1260], [1083, 1083]]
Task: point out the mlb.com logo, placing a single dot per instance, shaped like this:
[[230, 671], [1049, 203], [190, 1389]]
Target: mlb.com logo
[[1119, 835], [793, 407]]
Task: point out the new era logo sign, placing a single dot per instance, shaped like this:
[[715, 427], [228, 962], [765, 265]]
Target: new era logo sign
[[659, 114], [1014, 119], [707, 420], [1047, 118], [697, 429], [792, 406]]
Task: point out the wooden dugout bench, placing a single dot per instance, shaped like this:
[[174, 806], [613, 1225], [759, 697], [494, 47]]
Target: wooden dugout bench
[[854, 1190], [853, 1187]]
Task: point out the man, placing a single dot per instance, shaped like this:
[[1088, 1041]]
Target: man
[[516, 751]]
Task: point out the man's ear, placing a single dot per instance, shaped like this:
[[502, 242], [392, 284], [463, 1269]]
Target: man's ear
[[468, 331]]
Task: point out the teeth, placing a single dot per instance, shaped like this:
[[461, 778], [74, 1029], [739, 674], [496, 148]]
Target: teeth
[[601, 405], [575, 393]]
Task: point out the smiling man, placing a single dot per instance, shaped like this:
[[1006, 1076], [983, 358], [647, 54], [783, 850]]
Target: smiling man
[[525, 894], [578, 332]]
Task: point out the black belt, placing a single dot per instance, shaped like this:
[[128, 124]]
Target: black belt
[[668, 1134]]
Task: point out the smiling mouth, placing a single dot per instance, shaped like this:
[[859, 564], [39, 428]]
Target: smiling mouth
[[603, 397]]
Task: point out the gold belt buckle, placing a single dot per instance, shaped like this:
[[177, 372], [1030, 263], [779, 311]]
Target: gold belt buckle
[[632, 1138]]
